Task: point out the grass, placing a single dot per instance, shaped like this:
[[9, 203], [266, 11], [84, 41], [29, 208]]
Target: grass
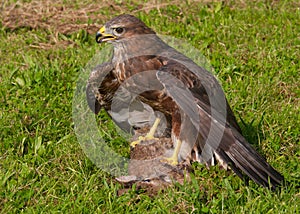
[[254, 50]]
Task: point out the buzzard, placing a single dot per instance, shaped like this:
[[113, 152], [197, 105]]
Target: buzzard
[[202, 123]]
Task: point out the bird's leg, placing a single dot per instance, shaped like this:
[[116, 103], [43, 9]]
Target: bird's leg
[[149, 135], [173, 160], [176, 126]]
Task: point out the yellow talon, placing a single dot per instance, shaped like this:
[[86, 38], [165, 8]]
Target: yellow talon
[[141, 138], [136, 142], [173, 160], [149, 136]]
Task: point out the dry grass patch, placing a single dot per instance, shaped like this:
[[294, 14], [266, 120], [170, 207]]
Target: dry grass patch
[[53, 15]]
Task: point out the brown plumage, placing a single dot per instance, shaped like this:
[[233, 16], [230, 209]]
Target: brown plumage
[[99, 96], [100, 90], [193, 102]]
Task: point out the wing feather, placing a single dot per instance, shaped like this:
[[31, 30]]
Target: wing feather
[[223, 138]]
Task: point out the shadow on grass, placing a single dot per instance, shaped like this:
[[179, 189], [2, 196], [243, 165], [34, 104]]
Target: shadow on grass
[[253, 132]]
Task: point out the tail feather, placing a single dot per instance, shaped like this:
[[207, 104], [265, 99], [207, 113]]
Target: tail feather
[[223, 157], [244, 158]]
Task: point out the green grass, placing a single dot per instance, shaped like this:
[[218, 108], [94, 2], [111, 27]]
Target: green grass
[[254, 49]]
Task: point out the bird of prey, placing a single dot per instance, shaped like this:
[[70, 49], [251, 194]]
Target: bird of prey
[[191, 99]]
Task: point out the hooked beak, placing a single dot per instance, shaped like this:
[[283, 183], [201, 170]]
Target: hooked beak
[[101, 36]]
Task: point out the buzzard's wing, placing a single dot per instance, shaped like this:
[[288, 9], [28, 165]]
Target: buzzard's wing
[[101, 87], [223, 138], [103, 90]]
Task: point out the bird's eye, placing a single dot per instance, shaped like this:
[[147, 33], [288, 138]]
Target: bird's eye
[[119, 30]]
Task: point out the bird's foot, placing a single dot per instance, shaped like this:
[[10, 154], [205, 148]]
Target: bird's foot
[[149, 136], [171, 160], [142, 138]]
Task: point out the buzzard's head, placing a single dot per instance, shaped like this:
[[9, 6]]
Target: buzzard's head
[[120, 27]]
